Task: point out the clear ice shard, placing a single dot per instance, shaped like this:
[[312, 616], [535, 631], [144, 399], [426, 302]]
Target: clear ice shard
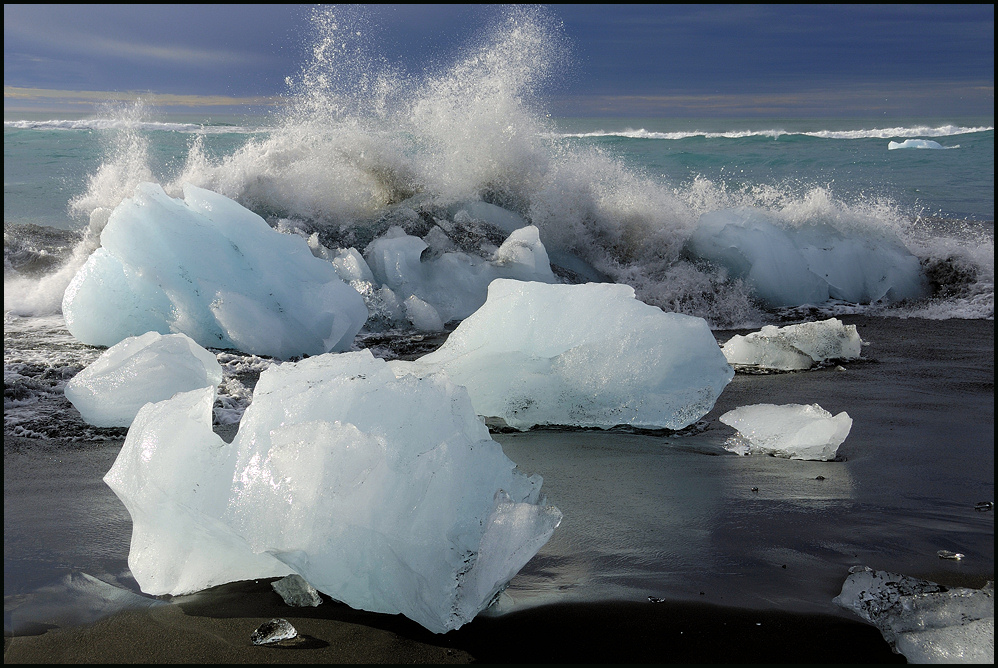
[[794, 431], [296, 592], [381, 489], [924, 621], [274, 631], [138, 370], [587, 355]]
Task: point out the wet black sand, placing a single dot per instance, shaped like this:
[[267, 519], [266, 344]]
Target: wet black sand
[[745, 553]]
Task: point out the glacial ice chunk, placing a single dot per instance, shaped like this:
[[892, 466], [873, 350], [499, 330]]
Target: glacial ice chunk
[[589, 355], [274, 631], [455, 283], [794, 347], [139, 370], [794, 431], [296, 592], [808, 265], [209, 268], [916, 143], [381, 488], [924, 621]]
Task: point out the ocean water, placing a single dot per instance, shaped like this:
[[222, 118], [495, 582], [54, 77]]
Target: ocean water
[[354, 139]]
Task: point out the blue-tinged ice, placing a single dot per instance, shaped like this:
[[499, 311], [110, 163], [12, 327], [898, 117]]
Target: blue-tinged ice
[[916, 143], [794, 347], [806, 265], [792, 431], [588, 355], [209, 268], [924, 621], [381, 488], [454, 284], [139, 370]]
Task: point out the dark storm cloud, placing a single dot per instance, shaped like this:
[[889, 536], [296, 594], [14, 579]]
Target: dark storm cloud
[[624, 57]]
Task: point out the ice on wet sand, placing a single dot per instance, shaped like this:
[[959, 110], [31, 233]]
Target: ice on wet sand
[[924, 621], [794, 347], [382, 489], [587, 355], [209, 268], [138, 370], [794, 431]]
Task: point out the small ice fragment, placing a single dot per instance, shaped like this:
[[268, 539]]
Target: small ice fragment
[[984, 506], [794, 347], [793, 431], [297, 592], [946, 554], [273, 631], [859, 569]]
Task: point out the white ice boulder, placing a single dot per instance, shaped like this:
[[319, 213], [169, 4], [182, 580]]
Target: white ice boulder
[[209, 268], [455, 283], [139, 370], [915, 143], [924, 621], [808, 264], [794, 431], [383, 491], [794, 347], [589, 355]]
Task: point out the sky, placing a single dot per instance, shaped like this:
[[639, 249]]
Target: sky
[[619, 60]]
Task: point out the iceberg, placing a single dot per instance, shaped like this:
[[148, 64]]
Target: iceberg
[[381, 488], [454, 284], [794, 347], [808, 265], [139, 370], [924, 621], [209, 268], [916, 143], [588, 355], [794, 431]]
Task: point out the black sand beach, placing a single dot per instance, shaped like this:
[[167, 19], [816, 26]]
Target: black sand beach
[[671, 550]]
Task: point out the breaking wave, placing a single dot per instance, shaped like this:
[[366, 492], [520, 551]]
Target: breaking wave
[[357, 139], [775, 133]]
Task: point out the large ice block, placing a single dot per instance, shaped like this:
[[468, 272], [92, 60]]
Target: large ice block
[[924, 621], [139, 370], [588, 355], [794, 431], [794, 347], [381, 488], [209, 268], [808, 264]]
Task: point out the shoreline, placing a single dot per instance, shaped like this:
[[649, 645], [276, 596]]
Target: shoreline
[[920, 454], [215, 627]]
